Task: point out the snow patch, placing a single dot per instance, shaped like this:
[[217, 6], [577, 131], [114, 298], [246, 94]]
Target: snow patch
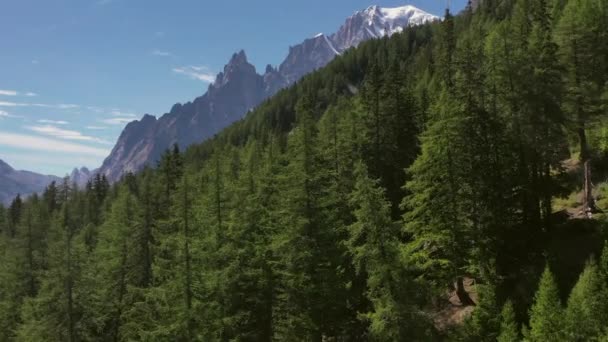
[[331, 46]]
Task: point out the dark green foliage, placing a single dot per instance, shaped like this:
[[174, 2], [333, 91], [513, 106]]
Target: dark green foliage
[[349, 205], [374, 245]]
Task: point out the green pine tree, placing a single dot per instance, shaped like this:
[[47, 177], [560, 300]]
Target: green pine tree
[[374, 245], [546, 313], [509, 329], [587, 310]]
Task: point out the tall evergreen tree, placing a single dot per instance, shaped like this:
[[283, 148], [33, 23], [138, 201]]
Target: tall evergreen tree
[[374, 245], [577, 34], [307, 248], [546, 314], [509, 329], [58, 312], [587, 310]]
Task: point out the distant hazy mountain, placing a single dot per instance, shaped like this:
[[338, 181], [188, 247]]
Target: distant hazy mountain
[[239, 88], [81, 176], [13, 182]]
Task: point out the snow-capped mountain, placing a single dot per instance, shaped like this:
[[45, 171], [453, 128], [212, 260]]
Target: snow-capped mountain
[[239, 88], [373, 22], [377, 22]]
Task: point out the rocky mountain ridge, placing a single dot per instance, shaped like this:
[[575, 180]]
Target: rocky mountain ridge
[[239, 88], [15, 182]]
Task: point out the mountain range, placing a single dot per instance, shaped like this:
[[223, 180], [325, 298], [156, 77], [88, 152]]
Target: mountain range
[[236, 90], [13, 182], [239, 88]]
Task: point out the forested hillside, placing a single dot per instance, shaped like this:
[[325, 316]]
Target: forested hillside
[[446, 183]]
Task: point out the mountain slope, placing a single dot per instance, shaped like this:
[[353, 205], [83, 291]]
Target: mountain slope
[[14, 182], [239, 88]]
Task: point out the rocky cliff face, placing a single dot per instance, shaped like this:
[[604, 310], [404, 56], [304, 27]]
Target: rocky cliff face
[[312, 54], [236, 90], [14, 182], [239, 88]]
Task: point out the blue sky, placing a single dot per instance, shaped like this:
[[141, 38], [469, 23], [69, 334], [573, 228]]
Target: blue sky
[[74, 72]]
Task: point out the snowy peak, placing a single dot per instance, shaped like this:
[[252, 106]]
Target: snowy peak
[[377, 22], [410, 14], [405, 16]]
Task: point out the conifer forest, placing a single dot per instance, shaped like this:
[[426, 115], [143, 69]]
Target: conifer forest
[[447, 183]]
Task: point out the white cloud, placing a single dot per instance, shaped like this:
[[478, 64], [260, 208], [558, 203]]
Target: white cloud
[[43, 105], [16, 93], [8, 92], [61, 106], [116, 112], [117, 121], [96, 128], [4, 114], [161, 53], [200, 73], [61, 133], [54, 122], [95, 109], [37, 143]]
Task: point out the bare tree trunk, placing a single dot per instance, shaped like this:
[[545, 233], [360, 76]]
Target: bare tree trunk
[[588, 201], [462, 294]]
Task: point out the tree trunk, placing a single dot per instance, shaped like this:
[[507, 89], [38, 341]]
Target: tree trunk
[[588, 201], [462, 294]]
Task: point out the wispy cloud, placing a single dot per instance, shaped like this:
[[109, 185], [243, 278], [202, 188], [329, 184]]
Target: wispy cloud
[[37, 143], [117, 121], [104, 2], [53, 122], [201, 73], [119, 117], [96, 128], [116, 112], [43, 105], [8, 92], [56, 132], [16, 93], [35, 61], [159, 34], [5, 114], [161, 53]]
